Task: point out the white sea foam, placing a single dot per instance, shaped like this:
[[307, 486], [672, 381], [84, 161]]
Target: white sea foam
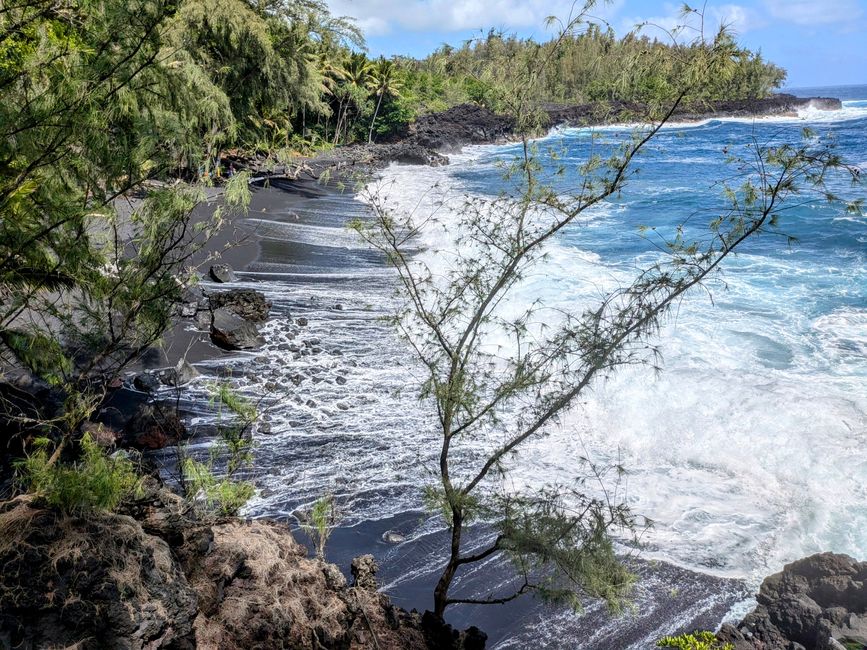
[[810, 114]]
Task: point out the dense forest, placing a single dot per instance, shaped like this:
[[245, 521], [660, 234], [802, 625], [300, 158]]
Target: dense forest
[[591, 66]]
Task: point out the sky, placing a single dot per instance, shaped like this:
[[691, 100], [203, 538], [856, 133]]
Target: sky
[[819, 42]]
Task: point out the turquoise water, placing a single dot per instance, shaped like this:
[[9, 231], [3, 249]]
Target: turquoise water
[[750, 448]]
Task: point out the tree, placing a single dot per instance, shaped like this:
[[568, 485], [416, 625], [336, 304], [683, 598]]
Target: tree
[[384, 82], [493, 397], [95, 107]]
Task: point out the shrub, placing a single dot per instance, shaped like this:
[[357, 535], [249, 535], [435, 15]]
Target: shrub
[[95, 482], [695, 641], [226, 494], [319, 521]]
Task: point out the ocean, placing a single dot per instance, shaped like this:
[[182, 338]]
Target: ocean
[[747, 450]]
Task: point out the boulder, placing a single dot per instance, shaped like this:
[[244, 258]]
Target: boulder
[[247, 303], [203, 319], [818, 602], [181, 374], [231, 332], [190, 302], [392, 536], [222, 273], [146, 382]]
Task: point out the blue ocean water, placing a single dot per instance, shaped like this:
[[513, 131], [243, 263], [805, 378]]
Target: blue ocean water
[[749, 449]]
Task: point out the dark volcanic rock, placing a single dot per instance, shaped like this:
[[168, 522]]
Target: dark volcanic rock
[[146, 382], [364, 570], [610, 112], [181, 374], [246, 303], [819, 602], [163, 579], [440, 634], [222, 273], [460, 125], [232, 332], [89, 583]]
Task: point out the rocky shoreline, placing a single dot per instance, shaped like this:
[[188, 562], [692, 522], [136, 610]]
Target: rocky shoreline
[[818, 603], [429, 140]]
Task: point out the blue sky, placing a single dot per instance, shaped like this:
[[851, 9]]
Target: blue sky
[[820, 42]]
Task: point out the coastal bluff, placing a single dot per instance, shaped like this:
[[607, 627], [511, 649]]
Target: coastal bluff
[[156, 576]]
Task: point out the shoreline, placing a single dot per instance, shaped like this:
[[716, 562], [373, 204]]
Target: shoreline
[[366, 536], [668, 596]]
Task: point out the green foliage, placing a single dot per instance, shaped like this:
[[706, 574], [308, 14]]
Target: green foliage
[[217, 482], [94, 482], [319, 521], [695, 641], [588, 64], [222, 495]]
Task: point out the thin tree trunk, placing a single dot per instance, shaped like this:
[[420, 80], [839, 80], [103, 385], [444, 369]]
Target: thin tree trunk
[[373, 121], [441, 593]]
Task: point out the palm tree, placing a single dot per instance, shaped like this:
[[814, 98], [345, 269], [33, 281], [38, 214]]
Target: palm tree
[[357, 77], [384, 81]]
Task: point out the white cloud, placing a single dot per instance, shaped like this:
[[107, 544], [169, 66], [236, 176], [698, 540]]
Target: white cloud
[[378, 17], [814, 12]]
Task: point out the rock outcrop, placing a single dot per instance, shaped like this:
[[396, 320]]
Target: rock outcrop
[[465, 124], [158, 577], [232, 332], [222, 273], [818, 603], [154, 426], [608, 112], [99, 582], [249, 304]]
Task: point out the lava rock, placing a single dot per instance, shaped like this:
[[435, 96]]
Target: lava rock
[[364, 568], [222, 273], [819, 602], [247, 303], [181, 374], [203, 319], [146, 382], [464, 124], [154, 427], [231, 332], [393, 537]]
